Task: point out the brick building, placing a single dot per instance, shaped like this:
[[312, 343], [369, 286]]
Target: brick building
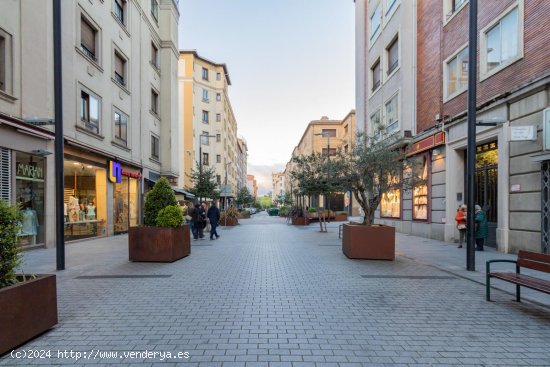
[[513, 174]]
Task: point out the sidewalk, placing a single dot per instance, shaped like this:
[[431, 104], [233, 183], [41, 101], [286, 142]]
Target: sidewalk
[[448, 257]]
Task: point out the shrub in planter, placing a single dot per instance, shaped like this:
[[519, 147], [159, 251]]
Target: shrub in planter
[[164, 238], [28, 304], [229, 217], [283, 211], [312, 210]]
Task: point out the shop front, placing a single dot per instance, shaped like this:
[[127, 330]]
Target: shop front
[[126, 192]]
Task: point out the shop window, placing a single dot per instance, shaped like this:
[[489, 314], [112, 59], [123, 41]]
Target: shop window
[[121, 127], [420, 192], [390, 204], [30, 194], [85, 200], [89, 111], [125, 204]]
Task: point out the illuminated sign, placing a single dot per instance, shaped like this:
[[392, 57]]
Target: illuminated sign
[[115, 172]]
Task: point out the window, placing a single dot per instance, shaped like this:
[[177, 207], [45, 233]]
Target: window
[[218, 76], [420, 192], [375, 70], [219, 179], [155, 9], [204, 73], [121, 127], [218, 158], [154, 55], [154, 102], [502, 42], [218, 97], [218, 138], [456, 74], [88, 35], [376, 125], [89, 111], [332, 151], [119, 8], [205, 117], [346, 130], [205, 95], [120, 69], [392, 116], [205, 138], [393, 55], [3, 62], [155, 149], [375, 21], [390, 203], [450, 7], [346, 148], [218, 117], [329, 132], [389, 5], [205, 159]]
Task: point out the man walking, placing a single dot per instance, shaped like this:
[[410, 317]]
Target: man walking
[[214, 216], [199, 221]]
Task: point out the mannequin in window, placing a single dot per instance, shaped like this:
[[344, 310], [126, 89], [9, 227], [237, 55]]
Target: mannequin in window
[[90, 210], [73, 209], [29, 222]]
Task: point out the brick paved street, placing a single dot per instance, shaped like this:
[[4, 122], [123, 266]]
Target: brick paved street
[[268, 294]]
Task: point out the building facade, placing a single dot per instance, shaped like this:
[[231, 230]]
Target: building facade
[[278, 185], [119, 103], [512, 95], [209, 125], [252, 185], [242, 162]]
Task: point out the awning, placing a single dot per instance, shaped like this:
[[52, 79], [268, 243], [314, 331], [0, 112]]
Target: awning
[[186, 194]]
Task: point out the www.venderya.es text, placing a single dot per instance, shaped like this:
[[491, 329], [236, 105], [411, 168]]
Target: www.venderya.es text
[[96, 354]]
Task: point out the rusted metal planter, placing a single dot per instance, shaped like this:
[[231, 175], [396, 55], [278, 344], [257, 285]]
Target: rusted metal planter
[[157, 244], [340, 217], [229, 222], [300, 221], [368, 242], [27, 309]]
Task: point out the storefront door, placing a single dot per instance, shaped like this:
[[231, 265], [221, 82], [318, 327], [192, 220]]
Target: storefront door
[[126, 209], [487, 186]]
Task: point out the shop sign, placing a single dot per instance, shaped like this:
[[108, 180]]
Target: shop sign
[[116, 172], [29, 171], [427, 143]]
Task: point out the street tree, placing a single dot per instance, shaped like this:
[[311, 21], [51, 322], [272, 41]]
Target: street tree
[[204, 183], [244, 197]]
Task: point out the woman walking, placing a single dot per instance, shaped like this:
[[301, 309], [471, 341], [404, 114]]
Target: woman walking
[[460, 219]]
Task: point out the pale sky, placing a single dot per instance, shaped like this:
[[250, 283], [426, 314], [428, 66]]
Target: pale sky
[[290, 62]]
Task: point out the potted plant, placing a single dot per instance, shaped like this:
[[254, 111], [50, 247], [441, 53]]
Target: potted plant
[[375, 168], [341, 216], [164, 237], [28, 304], [244, 214], [297, 216], [229, 217], [283, 211]]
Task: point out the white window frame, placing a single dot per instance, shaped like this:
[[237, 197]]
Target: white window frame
[[446, 95], [98, 38], [389, 11], [373, 36], [115, 138], [371, 76], [7, 90], [483, 73], [126, 79], [80, 122], [385, 117], [386, 66], [448, 14], [205, 95], [372, 124], [154, 158]]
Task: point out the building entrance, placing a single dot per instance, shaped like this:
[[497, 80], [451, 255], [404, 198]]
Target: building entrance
[[487, 186]]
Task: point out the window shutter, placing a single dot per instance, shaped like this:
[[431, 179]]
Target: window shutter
[[119, 65], [5, 177], [87, 35]]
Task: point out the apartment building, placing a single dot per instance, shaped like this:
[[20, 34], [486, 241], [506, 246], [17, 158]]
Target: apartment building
[[252, 185], [119, 100], [242, 162], [512, 167], [323, 136], [278, 184], [209, 126]]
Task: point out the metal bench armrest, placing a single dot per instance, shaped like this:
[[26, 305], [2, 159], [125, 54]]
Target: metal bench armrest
[[489, 262]]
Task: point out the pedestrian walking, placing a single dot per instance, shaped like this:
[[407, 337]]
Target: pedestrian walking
[[482, 228], [460, 219], [199, 220], [214, 217]]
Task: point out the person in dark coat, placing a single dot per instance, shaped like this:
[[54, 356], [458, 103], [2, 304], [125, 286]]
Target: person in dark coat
[[482, 228], [199, 221], [214, 216]]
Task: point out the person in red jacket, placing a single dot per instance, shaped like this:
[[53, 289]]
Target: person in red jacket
[[460, 219]]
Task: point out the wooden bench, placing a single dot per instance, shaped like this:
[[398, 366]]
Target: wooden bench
[[526, 259]]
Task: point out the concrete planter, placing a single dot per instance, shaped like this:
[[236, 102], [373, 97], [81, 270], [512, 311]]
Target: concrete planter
[[300, 221], [229, 222], [27, 309], [368, 242], [156, 244]]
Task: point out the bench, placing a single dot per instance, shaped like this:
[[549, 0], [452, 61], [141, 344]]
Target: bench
[[526, 259]]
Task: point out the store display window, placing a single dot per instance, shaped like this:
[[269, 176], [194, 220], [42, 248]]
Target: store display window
[[420, 192], [29, 186], [85, 200], [126, 210], [390, 204]]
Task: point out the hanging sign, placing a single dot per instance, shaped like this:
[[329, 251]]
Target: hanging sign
[[115, 172]]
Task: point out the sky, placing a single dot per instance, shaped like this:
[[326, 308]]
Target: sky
[[290, 62]]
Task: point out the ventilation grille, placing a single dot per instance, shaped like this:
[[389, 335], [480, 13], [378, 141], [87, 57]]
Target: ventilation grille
[[5, 177]]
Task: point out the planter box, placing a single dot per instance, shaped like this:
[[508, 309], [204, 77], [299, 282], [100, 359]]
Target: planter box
[[229, 222], [340, 217], [27, 310], [244, 215], [368, 242], [156, 244], [300, 221]]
